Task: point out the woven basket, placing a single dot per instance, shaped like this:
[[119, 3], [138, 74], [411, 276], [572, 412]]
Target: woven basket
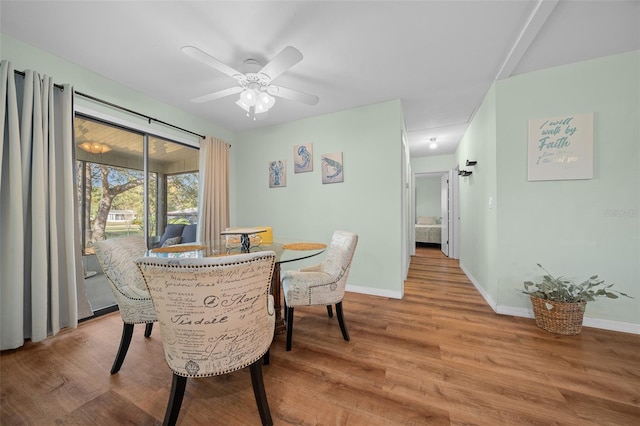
[[562, 318]]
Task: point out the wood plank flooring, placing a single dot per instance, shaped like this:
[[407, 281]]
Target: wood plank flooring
[[440, 356]]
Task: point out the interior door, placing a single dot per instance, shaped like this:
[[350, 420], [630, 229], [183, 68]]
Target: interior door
[[444, 206]]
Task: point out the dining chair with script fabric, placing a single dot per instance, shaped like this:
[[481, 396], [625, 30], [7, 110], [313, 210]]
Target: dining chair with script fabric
[[117, 260], [216, 316], [322, 284]]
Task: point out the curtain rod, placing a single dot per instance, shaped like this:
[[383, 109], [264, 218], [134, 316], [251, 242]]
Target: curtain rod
[[93, 98], [57, 86]]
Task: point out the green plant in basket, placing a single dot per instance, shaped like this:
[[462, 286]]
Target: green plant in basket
[[560, 289], [559, 303]]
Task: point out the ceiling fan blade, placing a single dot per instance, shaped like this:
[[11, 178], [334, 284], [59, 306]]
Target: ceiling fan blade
[[209, 60], [294, 95], [217, 95], [288, 57]]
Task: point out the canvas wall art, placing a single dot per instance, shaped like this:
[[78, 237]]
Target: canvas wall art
[[303, 158], [561, 148], [277, 174], [332, 168]]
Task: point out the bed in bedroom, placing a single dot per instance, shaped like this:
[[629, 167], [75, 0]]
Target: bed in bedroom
[[429, 230]]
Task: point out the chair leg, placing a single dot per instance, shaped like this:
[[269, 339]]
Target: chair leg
[[266, 358], [343, 327], [178, 385], [289, 327], [125, 340], [258, 390], [147, 329], [330, 311]]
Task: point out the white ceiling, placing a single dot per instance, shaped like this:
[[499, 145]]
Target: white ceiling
[[438, 57]]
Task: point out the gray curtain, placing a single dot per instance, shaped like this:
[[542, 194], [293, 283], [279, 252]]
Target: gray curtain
[[213, 214], [41, 276]]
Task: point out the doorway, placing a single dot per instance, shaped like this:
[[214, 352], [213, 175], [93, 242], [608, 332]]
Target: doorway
[[436, 195]]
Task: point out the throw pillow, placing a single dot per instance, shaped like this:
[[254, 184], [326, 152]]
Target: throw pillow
[[171, 241], [172, 230]]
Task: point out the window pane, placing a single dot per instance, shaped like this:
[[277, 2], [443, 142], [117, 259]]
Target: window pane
[[176, 195], [111, 190], [111, 183], [182, 198]]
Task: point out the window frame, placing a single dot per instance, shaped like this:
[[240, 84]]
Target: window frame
[[147, 133]]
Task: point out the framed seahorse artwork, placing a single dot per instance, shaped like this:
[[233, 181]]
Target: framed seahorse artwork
[[277, 174], [303, 158], [332, 168]]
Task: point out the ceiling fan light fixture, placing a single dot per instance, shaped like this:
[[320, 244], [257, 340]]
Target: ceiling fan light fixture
[[266, 100], [255, 102], [248, 97]]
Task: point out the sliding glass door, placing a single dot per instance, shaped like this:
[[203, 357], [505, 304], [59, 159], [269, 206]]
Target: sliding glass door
[[129, 183]]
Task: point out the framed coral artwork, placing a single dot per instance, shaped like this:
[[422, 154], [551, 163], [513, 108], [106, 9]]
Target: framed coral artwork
[[332, 168]]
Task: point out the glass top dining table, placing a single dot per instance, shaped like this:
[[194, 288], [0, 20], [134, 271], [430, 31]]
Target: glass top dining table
[[286, 250]]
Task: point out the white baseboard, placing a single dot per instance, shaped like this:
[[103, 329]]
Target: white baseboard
[[374, 291], [624, 327], [482, 291]]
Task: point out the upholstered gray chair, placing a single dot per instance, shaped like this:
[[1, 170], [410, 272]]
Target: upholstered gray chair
[[216, 316], [321, 284], [117, 259]]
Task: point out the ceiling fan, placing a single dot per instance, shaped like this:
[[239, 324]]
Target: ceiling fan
[[255, 88]]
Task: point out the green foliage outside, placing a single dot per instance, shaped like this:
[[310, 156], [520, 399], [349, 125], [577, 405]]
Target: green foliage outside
[[182, 194]]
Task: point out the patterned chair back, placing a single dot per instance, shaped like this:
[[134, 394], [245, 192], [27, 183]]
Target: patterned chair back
[[215, 314], [117, 259], [337, 262]]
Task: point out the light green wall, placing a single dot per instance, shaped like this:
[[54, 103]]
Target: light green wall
[[367, 202], [575, 228], [428, 196], [567, 225], [478, 223], [24, 56]]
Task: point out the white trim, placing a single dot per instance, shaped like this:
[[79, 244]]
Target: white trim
[[624, 327], [481, 290], [405, 227], [193, 141], [374, 291], [454, 225]]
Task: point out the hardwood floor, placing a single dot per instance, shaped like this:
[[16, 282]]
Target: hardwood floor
[[440, 356]]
